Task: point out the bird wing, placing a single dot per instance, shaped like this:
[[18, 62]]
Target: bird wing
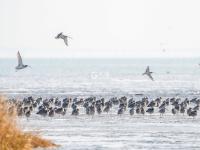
[[150, 76], [147, 70], [59, 34], [66, 40], [20, 63]]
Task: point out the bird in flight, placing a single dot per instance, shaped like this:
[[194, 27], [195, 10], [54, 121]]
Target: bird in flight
[[148, 73], [64, 37], [20, 63]]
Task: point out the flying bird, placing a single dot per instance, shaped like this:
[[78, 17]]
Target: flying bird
[[148, 73], [64, 37], [20, 63]]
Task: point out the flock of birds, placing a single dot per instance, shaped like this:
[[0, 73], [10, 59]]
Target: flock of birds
[[91, 105], [51, 107]]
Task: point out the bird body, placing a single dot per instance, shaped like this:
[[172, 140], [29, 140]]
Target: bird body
[[131, 111], [64, 37], [150, 110], [148, 73], [20, 63], [162, 110], [75, 112], [174, 111]]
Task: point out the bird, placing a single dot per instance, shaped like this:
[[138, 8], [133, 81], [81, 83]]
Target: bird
[[64, 37], [182, 110], [28, 113], [51, 112], [193, 113], [75, 112], [142, 111], [120, 111], [150, 110], [20, 63], [131, 111], [162, 110], [174, 111], [148, 73]]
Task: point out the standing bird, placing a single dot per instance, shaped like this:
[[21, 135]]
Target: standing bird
[[131, 111], [150, 110], [148, 73], [64, 37], [28, 113], [20, 63]]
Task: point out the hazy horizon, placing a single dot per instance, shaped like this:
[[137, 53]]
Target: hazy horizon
[[28, 55]]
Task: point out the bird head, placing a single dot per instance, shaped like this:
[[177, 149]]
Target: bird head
[[57, 37]]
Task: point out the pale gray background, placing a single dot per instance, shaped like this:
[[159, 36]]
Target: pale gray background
[[100, 28]]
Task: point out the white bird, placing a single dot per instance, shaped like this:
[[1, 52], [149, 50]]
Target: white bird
[[20, 63], [64, 37], [148, 73]]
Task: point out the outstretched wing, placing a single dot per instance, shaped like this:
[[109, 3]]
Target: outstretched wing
[[59, 35], [66, 40], [20, 63], [147, 70], [150, 76]]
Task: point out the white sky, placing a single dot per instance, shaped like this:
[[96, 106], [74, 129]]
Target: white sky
[[100, 28]]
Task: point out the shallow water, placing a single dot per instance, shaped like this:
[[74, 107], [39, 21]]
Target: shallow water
[[110, 131], [100, 77]]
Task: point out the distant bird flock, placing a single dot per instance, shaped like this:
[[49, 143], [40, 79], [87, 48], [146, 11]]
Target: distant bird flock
[[93, 106]]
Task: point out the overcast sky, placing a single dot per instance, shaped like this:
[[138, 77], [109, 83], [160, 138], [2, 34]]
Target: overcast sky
[[100, 28]]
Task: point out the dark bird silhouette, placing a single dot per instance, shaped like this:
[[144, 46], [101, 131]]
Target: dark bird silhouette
[[148, 73], [64, 37]]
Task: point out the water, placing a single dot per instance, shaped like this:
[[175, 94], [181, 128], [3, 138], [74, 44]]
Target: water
[[109, 131], [107, 78], [100, 77]]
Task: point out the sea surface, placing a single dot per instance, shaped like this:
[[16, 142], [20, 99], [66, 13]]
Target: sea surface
[[106, 77], [175, 77]]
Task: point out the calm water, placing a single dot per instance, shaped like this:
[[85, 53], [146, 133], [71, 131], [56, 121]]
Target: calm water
[[100, 77], [108, 77], [113, 132]]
